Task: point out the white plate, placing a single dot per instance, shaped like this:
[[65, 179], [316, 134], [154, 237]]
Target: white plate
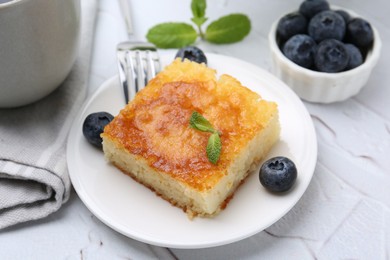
[[138, 213]]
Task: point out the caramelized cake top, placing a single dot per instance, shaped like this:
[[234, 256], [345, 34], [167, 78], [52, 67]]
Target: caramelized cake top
[[155, 125]]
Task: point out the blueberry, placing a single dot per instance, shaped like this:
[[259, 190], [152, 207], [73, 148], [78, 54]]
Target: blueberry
[[359, 33], [331, 56], [309, 8], [94, 125], [278, 174], [345, 15], [290, 25], [300, 49], [355, 56], [327, 25], [192, 53]]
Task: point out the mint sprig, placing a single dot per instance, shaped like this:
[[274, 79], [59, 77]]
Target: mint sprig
[[214, 145], [227, 29]]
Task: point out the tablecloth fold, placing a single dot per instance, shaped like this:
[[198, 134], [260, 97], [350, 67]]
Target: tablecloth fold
[[34, 180]]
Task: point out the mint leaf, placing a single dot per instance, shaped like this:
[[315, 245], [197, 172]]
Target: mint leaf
[[199, 20], [198, 8], [172, 35], [213, 148], [214, 145], [197, 121], [228, 29]]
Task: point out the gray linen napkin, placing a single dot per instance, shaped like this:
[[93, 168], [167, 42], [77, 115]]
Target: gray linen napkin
[[34, 180]]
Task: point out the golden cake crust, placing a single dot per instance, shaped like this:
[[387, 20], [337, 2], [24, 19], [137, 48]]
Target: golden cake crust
[[155, 125]]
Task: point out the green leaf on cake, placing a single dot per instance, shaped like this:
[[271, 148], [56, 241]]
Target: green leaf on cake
[[197, 121], [214, 145]]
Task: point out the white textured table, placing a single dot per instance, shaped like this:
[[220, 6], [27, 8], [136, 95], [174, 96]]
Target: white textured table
[[344, 214]]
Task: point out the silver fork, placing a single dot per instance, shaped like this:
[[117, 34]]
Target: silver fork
[[138, 62]]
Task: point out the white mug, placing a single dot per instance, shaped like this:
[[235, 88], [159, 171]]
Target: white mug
[[39, 42]]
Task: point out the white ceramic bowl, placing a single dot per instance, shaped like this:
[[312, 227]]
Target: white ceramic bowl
[[39, 41], [323, 87]]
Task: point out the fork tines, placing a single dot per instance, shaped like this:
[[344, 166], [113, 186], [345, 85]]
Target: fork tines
[[138, 63]]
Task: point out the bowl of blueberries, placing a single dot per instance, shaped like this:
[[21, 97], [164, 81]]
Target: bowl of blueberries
[[324, 53]]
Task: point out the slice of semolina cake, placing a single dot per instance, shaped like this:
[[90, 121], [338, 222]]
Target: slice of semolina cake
[[151, 139]]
